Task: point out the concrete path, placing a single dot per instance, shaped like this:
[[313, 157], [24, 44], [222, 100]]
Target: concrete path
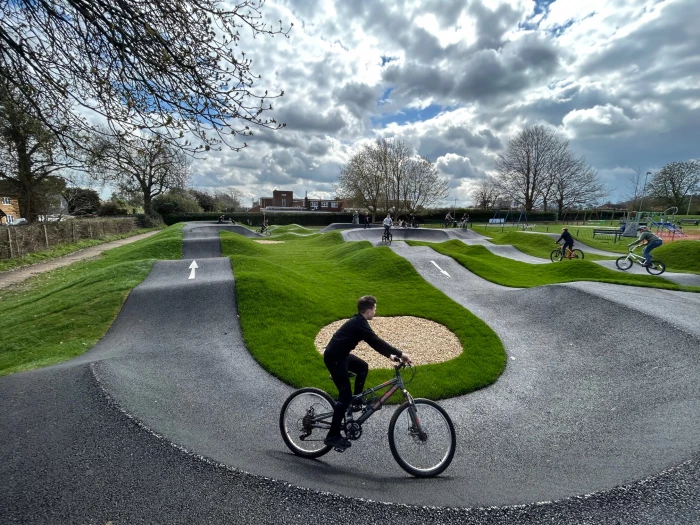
[[592, 412]]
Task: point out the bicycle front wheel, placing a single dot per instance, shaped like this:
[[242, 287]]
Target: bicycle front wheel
[[623, 263], [555, 255], [422, 439], [304, 422], [576, 254], [656, 268]]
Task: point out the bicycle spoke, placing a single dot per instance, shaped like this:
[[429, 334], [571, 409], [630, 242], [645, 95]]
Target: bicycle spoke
[[424, 451], [305, 420]]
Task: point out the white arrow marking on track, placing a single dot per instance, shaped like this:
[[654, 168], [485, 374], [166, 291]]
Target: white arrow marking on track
[[441, 270], [193, 267]]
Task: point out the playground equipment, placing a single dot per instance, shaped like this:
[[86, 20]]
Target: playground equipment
[[496, 219], [660, 220]]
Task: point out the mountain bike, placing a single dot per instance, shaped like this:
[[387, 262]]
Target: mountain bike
[[626, 262], [387, 236], [422, 437], [557, 254], [264, 231]]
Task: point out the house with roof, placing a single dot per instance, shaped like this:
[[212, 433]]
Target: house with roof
[[284, 200], [9, 205]]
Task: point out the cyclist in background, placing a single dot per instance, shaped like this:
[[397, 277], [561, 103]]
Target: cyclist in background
[[650, 240], [339, 360], [388, 223], [568, 242]]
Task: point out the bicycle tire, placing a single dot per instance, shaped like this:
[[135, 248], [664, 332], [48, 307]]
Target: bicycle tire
[[656, 268], [422, 458], [624, 263], [294, 410], [266, 233], [555, 255], [577, 254]]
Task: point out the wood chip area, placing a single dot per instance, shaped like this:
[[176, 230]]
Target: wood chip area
[[269, 242], [425, 341]]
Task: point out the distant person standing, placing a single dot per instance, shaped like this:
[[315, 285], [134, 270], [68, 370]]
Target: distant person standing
[[366, 220], [650, 241], [355, 218]]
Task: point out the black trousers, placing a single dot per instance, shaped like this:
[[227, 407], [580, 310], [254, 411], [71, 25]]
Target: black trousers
[[339, 369]]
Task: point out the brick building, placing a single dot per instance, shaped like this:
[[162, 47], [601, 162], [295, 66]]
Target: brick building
[[283, 200]]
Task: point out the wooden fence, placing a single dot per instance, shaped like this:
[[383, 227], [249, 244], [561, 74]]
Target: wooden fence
[[17, 241]]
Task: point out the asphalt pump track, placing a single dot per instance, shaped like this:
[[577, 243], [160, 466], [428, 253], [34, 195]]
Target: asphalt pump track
[[596, 413]]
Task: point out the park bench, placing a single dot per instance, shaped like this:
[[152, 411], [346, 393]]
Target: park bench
[[696, 222], [616, 233]]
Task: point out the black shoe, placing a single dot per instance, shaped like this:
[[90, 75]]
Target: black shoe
[[337, 442], [646, 264]]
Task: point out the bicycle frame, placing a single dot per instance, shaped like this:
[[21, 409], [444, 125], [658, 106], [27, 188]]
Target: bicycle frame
[[393, 385]]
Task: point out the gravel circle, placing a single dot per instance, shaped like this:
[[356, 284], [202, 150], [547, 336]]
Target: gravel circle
[[426, 341]]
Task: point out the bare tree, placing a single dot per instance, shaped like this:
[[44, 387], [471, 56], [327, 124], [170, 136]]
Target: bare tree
[[673, 184], [359, 180], [525, 170], [146, 164], [486, 194], [422, 186], [167, 66], [574, 183], [388, 176]]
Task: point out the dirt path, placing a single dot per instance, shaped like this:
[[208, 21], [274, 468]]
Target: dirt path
[[20, 274]]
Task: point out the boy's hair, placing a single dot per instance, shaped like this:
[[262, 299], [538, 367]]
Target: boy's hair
[[366, 302]]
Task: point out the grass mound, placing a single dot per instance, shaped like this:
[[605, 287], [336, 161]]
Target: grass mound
[[287, 293]]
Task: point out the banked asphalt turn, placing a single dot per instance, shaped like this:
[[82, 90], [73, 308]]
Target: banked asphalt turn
[[586, 406]]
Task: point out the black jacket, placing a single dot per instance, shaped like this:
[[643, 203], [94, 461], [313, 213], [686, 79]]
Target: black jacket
[[567, 237], [353, 331]]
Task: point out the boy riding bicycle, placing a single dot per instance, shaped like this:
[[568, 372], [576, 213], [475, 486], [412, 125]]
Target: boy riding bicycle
[[568, 242], [650, 240], [339, 361]]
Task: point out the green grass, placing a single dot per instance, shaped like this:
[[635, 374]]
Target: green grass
[[63, 313], [507, 272], [287, 292], [63, 249]]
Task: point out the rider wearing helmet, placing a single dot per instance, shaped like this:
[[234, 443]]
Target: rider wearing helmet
[[568, 241], [650, 240]]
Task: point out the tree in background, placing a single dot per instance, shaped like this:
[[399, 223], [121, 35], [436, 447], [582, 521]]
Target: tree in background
[[206, 201], [525, 170], [229, 200], [675, 183], [175, 202], [81, 201], [574, 184], [486, 194], [168, 67], [538, 169], [30, 157], [144, 163], [387, 176]]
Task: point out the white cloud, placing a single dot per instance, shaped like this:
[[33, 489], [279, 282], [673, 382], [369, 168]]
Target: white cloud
[[457, 80]]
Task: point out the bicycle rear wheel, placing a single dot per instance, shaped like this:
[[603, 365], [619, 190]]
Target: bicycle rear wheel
[[422, 444], [304, 422], [555, 255], [576, 254], [623, 263], [656, 268]]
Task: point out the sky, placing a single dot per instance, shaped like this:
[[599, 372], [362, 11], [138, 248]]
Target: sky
[[457, 79]]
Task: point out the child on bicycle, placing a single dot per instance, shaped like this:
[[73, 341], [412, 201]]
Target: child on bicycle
[[388, 223], [651, 241], [568, 242], [339, 361]]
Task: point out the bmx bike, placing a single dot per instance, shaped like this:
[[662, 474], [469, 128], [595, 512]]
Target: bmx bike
[[626, 262], [558, 254], [387, 236], [422, 436]]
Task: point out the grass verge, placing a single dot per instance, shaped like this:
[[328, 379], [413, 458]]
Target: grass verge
[[287, 292], [60, 314]]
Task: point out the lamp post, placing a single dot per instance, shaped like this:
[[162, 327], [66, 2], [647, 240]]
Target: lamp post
[[644, 189]]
